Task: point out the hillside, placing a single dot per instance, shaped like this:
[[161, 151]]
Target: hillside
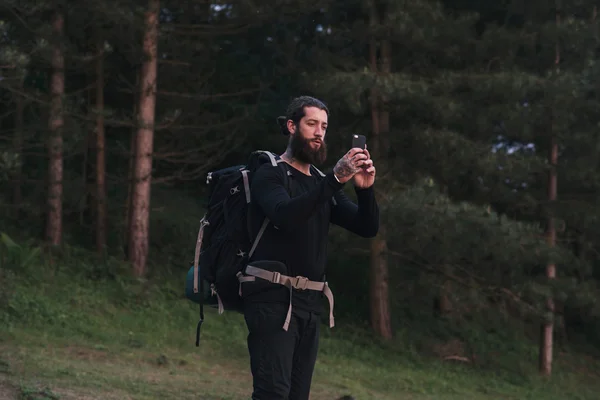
[[71, 337]]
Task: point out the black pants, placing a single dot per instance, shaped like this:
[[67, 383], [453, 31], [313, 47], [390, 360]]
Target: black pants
[[282, 363]]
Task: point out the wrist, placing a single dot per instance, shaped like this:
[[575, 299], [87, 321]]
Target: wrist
[[334, 180], [362, 188], [361, 185], [339, 178]]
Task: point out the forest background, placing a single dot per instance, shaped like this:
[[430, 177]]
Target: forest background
[[481, 117]]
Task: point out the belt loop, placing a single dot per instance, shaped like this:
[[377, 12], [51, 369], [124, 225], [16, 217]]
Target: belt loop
[[276, 277]]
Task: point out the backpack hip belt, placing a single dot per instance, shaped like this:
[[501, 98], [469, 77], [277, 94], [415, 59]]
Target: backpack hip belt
[[298, 282]]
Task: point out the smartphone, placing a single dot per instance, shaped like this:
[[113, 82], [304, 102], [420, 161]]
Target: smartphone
[[359, 141]]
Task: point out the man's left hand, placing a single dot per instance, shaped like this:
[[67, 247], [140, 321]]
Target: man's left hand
[[366, 176]]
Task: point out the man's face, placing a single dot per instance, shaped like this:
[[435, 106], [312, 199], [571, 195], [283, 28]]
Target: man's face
[[307, 140]]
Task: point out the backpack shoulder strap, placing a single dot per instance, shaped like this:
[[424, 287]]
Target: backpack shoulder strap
[[273, 158], [286, 175], [278, 162], [318, 171]]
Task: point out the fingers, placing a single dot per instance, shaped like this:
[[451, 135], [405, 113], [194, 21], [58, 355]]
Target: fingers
[[364, 163], [367, 167], [360, 159], [359, 156], [353, 151], [356, 152]]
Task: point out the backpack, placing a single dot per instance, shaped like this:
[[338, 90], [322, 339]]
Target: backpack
[[223, 245]]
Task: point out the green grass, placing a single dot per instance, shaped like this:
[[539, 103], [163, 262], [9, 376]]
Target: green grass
[[75, 328]]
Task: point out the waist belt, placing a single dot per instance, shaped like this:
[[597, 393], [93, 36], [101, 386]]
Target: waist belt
[[298, 282]]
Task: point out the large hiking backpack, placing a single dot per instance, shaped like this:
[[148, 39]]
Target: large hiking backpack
[[224, 245]]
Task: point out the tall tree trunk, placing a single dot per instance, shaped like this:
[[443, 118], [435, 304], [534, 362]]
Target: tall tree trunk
[[444, 305], [55, 142], [547, 329], [140, 212], [101, 216], [380, 303], [86, 196], [130, 180], [131, 172], [18, 148], [546, 342]]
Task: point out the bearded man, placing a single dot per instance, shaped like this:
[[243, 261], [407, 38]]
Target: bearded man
[[282, 310]]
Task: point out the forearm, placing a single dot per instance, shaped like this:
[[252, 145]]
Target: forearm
[[361, 218]]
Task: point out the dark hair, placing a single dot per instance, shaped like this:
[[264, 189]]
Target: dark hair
[[295, 111]]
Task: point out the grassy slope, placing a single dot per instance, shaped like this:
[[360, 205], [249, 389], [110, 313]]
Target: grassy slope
[[117, 338], [72, 327]]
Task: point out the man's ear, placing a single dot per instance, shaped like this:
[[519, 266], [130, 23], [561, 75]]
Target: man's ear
[[291, 126]]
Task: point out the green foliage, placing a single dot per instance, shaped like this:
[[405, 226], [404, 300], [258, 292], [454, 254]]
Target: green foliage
[[485, 253], [87, 333], [15, 256], [468, 78], [474, 97], [481, 261], [32, 393]]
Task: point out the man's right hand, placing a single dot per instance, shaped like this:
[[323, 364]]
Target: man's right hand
[[349, 164]]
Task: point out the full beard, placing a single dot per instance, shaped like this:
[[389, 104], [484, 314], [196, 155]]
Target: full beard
[[303, 152]]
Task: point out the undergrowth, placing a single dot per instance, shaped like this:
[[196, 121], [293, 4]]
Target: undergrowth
[[70, 296]]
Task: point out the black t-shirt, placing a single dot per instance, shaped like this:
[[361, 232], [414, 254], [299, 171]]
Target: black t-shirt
[[298, 233]]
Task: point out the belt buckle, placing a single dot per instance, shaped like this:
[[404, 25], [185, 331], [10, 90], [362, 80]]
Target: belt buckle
[[301, 283]]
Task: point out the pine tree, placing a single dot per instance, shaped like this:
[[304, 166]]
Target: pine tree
[[469, 99]]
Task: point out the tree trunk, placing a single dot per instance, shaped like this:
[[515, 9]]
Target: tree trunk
[[140, 212], [130, 180], [444, 306], [55, 142], [131, 172], [380, 303], [546, 343], [18, 148], [547, 329], [86, 196], [101, 216]]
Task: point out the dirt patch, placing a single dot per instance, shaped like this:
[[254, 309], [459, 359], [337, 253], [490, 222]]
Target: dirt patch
[[452, 350], [7, 390], [68, 394], [84, 353]]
